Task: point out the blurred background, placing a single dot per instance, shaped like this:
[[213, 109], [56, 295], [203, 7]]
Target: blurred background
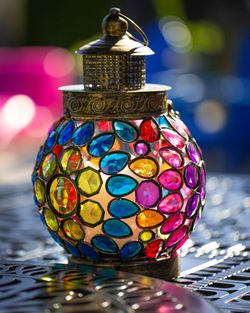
[[202, 50]]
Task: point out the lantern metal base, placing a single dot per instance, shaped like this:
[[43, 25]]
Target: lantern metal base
[[166, 269]]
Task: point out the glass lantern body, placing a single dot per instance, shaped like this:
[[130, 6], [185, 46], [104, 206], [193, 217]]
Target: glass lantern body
[[120, 189]]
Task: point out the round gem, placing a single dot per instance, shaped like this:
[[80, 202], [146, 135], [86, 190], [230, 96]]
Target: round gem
[[172, 223], [91, 213], [193, 153], [83, 134], [116, 228], [101, 144], [120, 185], [66, 133], [104, 244], [50, 219], [71, 160], [146, 235], [148, 194], [50, 142], [39, 190], [149, 130], [144, 167], [73, 230], [154, 248], [49, 165], [192, 205], [141, 148], [171, 156], [130, 250], [170, 179], [89, 181], [191, 175], [176, 236], [63, 195], [125, 131], [88, 252], [171, 203], [149, 218], [114, 162], [123, 208], [173, 138]]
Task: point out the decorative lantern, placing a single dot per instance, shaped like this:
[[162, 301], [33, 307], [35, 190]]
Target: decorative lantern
[[120, 181]]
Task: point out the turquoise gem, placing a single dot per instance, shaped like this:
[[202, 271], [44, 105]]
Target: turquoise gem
[[163, 122], [104, 244], [116, 228], [101, 144], [66, 133], [88, 252], [130, 250], [125, 131], [123, 208], [114, 162], [83, 134], [120, 185], [50, 142]]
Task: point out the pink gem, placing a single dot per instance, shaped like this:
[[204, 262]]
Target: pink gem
[[170, 179], [177, 236], [148, 194], [172, 223], [171, 156], [181, 243], [171, 203], [173, 138], [178, 128], [191, 175]]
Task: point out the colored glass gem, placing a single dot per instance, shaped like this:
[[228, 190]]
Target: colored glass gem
[[130, 250], [50, 142], [71, 249], [171, 156], [146, 235], [181, 243], [154, 248], [116, 228], [149, 130], [148, 194], [89, 181], [176, 236], [71, 160], [170, 179], [114, 162], [123, 208], [91, 213], [202, 183], [172, 223], [149, 218], [50, 219], [142, 148], [163, 122], [193, 153], [88, 252], [173, 138], [192, 205], [73, 230], [66, 133], [39, 190], [56, 238], [39, 156], [171, 203], [63, 195], [144, 167], [191, 175], [49, 165], [125, 131], [177, 127], [104, 244], [83, 134], [120, 185], [101, 144], [57, 150]]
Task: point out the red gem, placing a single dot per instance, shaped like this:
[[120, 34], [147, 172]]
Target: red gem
[[154, 248], [57, 150], [149, 130], [103, 126]]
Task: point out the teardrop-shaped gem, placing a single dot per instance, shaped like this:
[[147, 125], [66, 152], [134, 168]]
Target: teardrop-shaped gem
[[71, 160], [149, 130], [172, 223], [144, 167], [50, 142], [176, 236], [88, 252], [148, 194], [154, 248], [123, 208], [191, 175], [66, 133], [170, 179], [49, 165], [171, 156], [130, 250], [116, 228], [192, 205], [104, 244], [125, 131], [101, 144], [193, 153], [171, 203], [114, 162], [173, 138], [120, 185], [83, 134], [149, 218]]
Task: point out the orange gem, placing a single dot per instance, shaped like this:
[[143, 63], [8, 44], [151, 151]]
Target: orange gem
[[149, 218]]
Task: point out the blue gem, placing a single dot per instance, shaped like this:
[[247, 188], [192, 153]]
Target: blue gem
[[125, 131], [50, 142], [42, 219], [39, 156], [71, 249], [116, 228], [101, 144], [163, 122], [66, 133], [35, 201], [120, 185], [104, 244], [55, 237], [130, 250], [60, 126], [83, 134], [33, 177], [114, 162], [88, 252], [123, 208]]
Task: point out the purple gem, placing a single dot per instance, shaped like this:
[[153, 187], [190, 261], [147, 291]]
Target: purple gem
[[192, 204], [193, 153], [202, 183], [148, 194], [141, 148], [191, 175]]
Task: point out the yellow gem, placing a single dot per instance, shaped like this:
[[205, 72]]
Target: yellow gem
[[73, 230], [49, 165], [91, 213], [149, 218], [144, 167], [71, 160], [50, 219], [89, 181], [39, 191], [146, 235]]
